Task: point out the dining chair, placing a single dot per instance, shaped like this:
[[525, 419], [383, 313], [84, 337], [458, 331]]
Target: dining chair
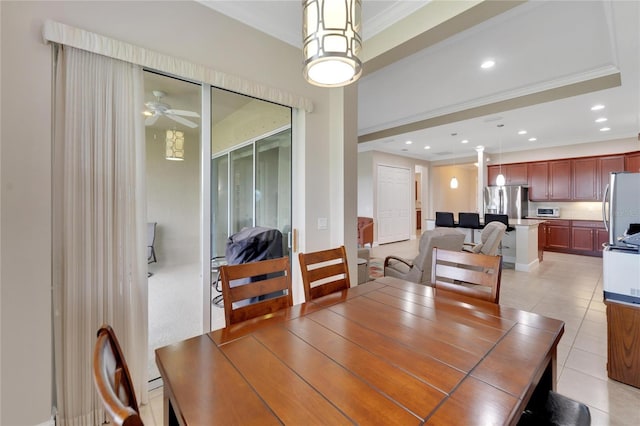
[[472, 274], [254, 289], [113, 381], [324, 272]]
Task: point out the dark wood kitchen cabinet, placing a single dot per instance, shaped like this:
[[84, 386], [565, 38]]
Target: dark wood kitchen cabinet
[[585, 179], [613, 163], [558, 234], [632, 162], [587, 237], [602, 237], [514, 174], [560, 180], [539, 181], [582, 239], [623, 342], [550, 180]]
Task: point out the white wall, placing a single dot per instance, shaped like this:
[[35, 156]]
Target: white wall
[[173, 199], [444, 198], [368, 176], [182, 29]]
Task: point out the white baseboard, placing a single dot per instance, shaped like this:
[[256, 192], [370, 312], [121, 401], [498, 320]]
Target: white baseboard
[[50, 422]]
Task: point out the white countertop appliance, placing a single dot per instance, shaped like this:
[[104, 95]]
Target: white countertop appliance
[[621, 256], [547, 212], [621, 275]]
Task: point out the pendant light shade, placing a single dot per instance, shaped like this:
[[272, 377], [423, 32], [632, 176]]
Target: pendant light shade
[[500, 180], [454, 183], [174, 145], [331, 41]]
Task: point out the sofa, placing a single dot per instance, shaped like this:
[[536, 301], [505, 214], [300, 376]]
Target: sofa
[[365, 231]]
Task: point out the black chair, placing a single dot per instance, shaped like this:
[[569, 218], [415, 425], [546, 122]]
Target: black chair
[[445, 219], [490, 217], [469, 220], [558, 410]]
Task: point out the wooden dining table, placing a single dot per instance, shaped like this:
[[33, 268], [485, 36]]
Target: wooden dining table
[[386, 352]]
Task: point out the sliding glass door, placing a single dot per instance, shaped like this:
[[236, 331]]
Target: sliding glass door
[[250, 173], [173, 179]]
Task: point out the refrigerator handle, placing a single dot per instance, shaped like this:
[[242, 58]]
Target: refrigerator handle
[[604, 208]]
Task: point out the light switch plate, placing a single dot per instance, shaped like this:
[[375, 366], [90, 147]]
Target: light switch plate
[[322, 223]]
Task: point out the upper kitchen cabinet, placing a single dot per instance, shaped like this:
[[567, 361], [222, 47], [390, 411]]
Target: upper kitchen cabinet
[[632, 162], [514, 174], [585, 179], [550, 180], [560, 180], [613, 163], [539, 181]]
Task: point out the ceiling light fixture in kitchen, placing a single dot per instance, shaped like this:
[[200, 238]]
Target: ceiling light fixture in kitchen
[[500, 179], [331, 41]]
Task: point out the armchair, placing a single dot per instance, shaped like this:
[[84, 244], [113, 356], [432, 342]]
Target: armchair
[[365, 231], [419, 270], [490, 239]]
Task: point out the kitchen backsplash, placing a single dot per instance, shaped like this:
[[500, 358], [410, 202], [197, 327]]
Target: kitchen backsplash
[[585, 210]]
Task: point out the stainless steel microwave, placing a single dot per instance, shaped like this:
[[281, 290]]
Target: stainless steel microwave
[[548, 212]]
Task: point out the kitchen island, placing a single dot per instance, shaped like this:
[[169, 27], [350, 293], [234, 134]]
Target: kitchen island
[[519, 246]]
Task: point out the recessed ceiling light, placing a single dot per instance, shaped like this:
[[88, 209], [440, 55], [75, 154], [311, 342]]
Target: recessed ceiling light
[[605, 129], [522, 132], [532, 139], [489, 63], [480, 147], [464, 141], [427, 147], [601, 120], [597, 107], [408, 142]]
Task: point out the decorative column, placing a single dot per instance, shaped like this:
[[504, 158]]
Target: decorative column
[[481, 180]]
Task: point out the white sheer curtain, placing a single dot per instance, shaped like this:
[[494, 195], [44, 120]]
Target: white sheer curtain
[[99, 222]]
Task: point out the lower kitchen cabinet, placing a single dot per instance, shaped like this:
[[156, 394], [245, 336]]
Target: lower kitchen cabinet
[[575, 236], [558, 234]]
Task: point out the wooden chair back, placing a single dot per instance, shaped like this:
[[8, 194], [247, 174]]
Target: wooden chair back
[[472, 274], [112, 380], [324, 272], [260, 288]]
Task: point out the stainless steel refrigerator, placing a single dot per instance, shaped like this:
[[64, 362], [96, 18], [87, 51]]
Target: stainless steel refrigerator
[[621, 210], [512, 200]]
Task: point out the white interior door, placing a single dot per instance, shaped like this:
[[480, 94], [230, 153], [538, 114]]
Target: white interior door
[[394, 204]]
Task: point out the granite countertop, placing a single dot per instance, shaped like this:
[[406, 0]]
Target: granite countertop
[[543, 219], [526, 222]]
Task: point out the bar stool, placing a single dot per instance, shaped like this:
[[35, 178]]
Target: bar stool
[[445, 219], [471, 221]]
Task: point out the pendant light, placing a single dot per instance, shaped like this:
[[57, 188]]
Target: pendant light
[[331, 41], [454, 183], [174, 148]]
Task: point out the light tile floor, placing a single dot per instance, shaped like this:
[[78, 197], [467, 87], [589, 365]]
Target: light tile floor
[[565, 287]]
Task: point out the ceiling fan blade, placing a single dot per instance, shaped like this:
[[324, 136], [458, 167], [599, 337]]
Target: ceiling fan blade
[[183, 121], [150, 121], [183, 112]]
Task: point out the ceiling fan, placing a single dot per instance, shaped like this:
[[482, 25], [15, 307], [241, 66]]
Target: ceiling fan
[[157, 108]]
